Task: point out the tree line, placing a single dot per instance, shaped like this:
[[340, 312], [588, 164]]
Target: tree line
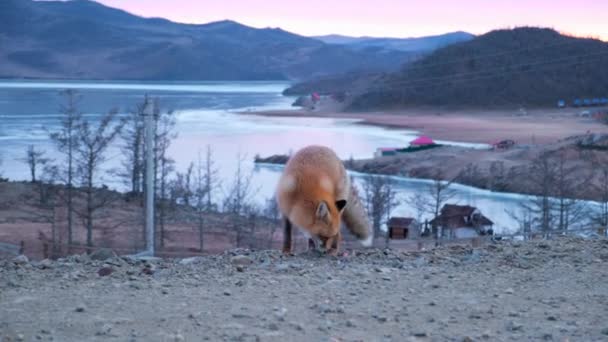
[[75, 179]]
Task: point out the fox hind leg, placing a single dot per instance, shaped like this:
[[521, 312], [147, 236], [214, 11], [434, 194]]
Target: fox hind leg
[[287, 233]]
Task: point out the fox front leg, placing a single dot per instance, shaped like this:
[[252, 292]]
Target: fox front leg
[[312, 245], [332, 245]]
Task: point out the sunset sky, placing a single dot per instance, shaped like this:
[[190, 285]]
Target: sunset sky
[[395, 18]]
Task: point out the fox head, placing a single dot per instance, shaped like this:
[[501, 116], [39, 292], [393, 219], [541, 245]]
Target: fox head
[[327, 219]]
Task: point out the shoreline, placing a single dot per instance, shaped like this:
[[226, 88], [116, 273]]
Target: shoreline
[[538, 126]]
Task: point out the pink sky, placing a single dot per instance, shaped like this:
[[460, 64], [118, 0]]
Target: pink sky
[[395, 18]]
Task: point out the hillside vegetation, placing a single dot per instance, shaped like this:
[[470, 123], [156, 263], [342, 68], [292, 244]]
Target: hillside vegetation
[[518, 67]]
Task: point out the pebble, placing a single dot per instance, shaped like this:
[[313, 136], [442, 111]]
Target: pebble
[[105, 271], [102, 254], [190, 261], [21, 259], [241, 260], [80, 308]]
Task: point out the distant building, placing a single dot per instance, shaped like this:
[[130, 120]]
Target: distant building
[[400, 228], [461, 221], [561, 104], [422, 141], [385, 151], [503, 144]]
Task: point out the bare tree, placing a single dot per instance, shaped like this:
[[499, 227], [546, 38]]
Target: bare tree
[[541, 177], [272, 212], [93, 142], [66, 141], [419, 203], [524, 218], [439, 192], [133, 149], [205, 184], [35, 159], [163, 164], [380, 200], [165, 201], [569, 186], [498, 179], [211, 179], [238, 198], [600, 216]]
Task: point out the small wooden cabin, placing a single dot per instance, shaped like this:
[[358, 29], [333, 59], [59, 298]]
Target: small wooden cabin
[[400, 228]]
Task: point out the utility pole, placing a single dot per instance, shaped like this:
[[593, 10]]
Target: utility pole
[[149, 132]]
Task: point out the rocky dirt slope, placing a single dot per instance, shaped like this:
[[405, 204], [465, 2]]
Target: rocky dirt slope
[[510, 291]]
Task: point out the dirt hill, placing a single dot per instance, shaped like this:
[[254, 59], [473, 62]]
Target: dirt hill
[[510, 291]]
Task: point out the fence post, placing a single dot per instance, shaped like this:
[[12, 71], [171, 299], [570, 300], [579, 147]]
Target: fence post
[[148, 113]]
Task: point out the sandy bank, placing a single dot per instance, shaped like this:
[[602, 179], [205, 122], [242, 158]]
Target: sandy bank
[[478, 126]]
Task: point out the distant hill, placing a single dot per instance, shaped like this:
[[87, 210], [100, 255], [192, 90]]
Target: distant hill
[[518, 67], [419, 45], [356, 81], [85, 40]]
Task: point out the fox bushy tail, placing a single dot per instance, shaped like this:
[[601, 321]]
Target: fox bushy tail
[[355, 218]]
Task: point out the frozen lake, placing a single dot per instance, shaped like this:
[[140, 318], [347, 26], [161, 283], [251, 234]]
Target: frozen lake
[[206, 115]]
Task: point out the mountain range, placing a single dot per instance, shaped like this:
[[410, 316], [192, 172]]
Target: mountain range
[[418, 45], [525, 66], [82, 39]]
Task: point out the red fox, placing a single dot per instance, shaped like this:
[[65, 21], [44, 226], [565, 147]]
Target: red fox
[[315, 194]]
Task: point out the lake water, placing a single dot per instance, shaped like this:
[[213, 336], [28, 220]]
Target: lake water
[[206, 116]]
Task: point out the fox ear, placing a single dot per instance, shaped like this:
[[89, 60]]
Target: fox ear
[[340, 204], [323, 212]]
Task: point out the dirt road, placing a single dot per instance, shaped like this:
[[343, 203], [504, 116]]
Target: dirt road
[[553, 291]]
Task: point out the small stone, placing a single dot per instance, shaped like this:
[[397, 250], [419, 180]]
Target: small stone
[[105, 330], [46, 264], [240, 268], [350, 323], [227, 293], [105, 271], [273, 327], [512, 326], [605, 331], [21, 259], [178, 338], [80, 308], [467, 339], [552, 318], [103, 254], [280, 313], [509, 291], [382, 270], [241, 260], [421, 334], [20, 337], [148, 269], [189, 261]]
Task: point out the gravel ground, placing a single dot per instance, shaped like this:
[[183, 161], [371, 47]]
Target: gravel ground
[[551, 290]]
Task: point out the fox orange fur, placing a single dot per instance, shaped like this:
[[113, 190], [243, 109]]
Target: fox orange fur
[[314, 193]]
